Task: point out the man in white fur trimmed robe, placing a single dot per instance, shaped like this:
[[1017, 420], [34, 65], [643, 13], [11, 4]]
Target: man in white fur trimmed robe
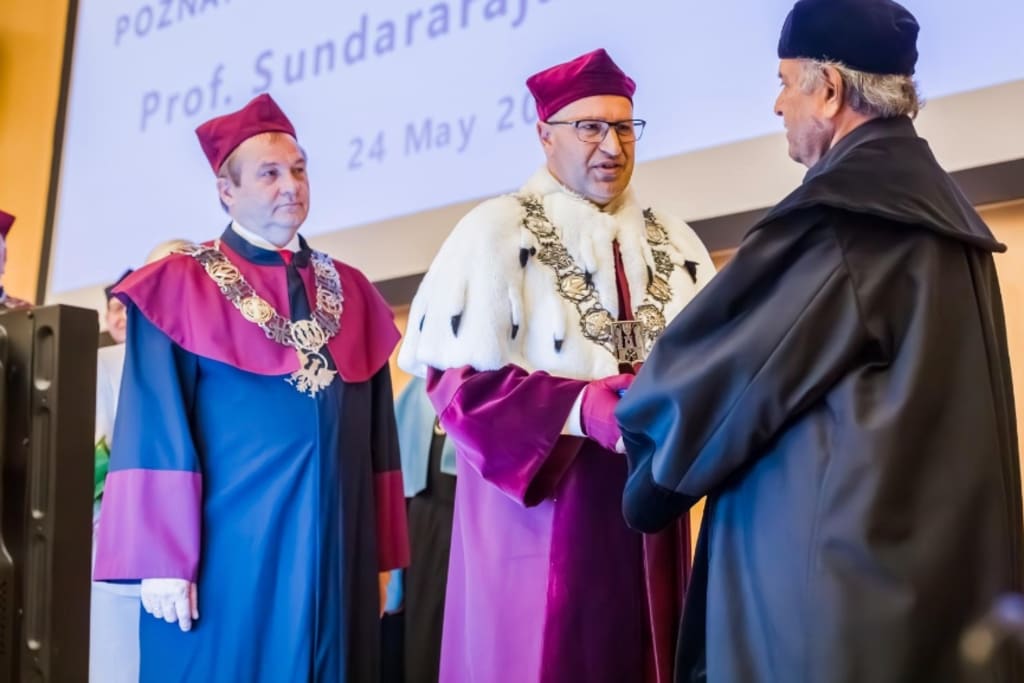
[[528, 326]]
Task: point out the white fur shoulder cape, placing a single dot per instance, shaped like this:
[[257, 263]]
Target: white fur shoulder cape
[[488, 302]]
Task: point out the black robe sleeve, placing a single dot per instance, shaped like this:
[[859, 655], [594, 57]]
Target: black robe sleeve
[[767, 337], [389, 493]]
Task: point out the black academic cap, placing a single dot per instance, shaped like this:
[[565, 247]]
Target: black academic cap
[[874, 36]]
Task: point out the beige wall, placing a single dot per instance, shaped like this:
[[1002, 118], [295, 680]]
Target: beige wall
[[1007, 222], [31, 51]]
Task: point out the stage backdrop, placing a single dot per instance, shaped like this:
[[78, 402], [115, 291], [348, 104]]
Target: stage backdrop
[[412, 109]]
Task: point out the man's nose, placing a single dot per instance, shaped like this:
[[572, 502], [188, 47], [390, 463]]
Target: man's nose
[[289, 184], [611, 145]]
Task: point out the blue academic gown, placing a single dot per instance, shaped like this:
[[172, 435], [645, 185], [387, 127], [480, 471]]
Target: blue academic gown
[[290, 509]]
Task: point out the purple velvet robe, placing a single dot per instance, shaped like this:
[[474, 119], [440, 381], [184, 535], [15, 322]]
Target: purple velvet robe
[[546, 582]]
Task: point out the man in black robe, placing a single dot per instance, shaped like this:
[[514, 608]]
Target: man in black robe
[[841, 394]]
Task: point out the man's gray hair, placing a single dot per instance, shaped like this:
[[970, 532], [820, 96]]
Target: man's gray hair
[[877, 95]]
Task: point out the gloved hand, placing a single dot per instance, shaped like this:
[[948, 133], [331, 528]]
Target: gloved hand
[[597, 410], [171, 600]]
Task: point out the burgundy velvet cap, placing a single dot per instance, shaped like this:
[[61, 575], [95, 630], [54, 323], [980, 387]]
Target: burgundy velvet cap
[[591, 74], [6, 221], [221, 135]]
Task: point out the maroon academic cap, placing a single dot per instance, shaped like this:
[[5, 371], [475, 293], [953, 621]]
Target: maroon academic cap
[[220, 136], [6, 221], [591, 74]]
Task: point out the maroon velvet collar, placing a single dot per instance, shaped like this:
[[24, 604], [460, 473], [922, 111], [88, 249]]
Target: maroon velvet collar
[[180, 299]]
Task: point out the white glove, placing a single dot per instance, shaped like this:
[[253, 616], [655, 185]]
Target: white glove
[[173, 600]]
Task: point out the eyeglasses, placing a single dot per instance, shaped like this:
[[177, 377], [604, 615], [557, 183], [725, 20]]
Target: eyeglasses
[[595, 130]]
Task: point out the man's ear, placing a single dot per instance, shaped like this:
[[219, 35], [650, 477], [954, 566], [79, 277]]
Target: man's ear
[[225, 190], [834, 92], [544, 135]]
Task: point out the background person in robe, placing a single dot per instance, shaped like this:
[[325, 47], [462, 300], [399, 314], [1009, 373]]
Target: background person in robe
[[7, 302], [841, 394], [116, 316], [114, 607], [114, 610], [428, 472], [513, 329], [166, 248], [255, 474]]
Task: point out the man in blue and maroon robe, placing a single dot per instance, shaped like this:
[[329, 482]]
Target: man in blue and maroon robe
[[255, 473], [515, 327]]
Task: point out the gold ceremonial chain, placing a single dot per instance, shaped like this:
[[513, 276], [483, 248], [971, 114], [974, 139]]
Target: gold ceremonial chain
[[628, 341], [307, 337]]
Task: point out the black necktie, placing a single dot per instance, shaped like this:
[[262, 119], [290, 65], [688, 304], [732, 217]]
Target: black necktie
[[298, 304]]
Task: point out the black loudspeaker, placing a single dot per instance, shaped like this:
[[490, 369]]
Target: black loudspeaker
[[47, 425]]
